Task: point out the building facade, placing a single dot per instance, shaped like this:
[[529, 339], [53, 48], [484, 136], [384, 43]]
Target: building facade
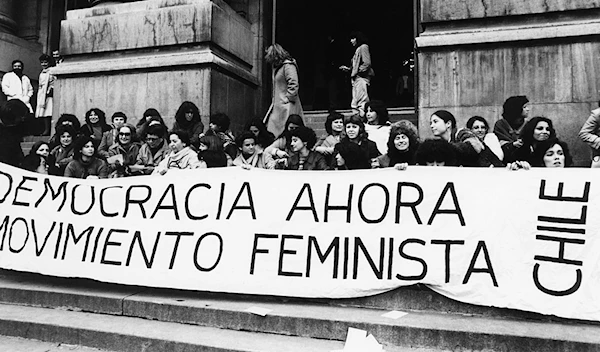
[[469, 55]]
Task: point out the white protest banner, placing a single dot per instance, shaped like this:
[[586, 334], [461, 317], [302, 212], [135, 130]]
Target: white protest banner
[[524, 240]]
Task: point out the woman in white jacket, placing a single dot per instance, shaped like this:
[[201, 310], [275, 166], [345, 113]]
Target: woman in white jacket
[[181, 156]]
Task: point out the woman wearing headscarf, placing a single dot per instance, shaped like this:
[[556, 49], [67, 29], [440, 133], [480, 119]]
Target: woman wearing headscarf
[[286, 98]]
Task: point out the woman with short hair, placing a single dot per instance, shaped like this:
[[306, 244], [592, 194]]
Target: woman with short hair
[[182, 156]]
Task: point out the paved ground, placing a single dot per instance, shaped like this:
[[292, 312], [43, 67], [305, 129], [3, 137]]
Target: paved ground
[[16, 344]]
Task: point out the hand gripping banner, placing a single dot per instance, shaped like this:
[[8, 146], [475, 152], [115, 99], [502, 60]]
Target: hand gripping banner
[[525, 240]]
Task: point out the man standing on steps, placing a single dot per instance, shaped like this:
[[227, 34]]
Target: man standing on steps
[[15, 85]]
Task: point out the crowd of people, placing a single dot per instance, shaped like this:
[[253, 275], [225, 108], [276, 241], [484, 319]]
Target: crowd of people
[[98, 149]]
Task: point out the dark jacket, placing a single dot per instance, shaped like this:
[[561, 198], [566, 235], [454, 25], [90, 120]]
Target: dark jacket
[[80, 169], [314, 161]]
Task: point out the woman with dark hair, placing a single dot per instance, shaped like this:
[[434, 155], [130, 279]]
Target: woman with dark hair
[[219, 125], [402, 146], [355, 133], [377, 124], [281, 148], [45, 93], [514, 113], [12, 116], [63, 153], [286, 98], [334, 126], [552, 153], [264, 138], [536, 130], [250, 155], [349, 156], [436, 152], [187, 118], [64, 120], [361, 72], [182, 156], [153, 151], [150, 115], [480, 127], [86, 164], [42, 149], [109, 138], [123, 154], [211, 151], [466, 148], [304, 158], [95, 124], [35, 163]]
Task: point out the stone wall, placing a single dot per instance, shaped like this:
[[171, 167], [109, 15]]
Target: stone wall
[[475, 54]]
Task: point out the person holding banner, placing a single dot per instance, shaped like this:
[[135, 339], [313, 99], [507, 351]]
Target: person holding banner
[[86, 164], [443, 126], [304, 158], [346, 155], [402, 146], [436, 152], [182, 156], [286, 97], [536, 130]]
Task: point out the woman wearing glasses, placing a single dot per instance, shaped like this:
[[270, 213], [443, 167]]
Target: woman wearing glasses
[[123, 154], [181, 156], [153, 151]]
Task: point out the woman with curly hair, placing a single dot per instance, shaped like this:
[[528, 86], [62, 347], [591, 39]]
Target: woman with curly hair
[[86, 163], [187, 118], [281, 148], [286, 98], [536, 130], [64, 151], [182, 156], [304, 158], [552, 153], [402, 146], [95, 124], [150, 116]]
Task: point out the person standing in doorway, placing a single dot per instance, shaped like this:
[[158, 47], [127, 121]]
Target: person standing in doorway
[[58, 59], [15, 85], [361, 72], [43, 110], [286, 98]]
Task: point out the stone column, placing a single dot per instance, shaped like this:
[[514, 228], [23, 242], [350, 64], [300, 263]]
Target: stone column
[[7, 13]]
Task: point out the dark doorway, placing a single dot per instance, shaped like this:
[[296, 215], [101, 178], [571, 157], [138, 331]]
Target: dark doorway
[[316, 33]]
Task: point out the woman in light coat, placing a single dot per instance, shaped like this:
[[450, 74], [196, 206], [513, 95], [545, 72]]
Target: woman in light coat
[[286, 98], [45, 93]]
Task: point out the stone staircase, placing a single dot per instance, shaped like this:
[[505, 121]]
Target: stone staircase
[[316, 119], [127, 318], [29, 141]]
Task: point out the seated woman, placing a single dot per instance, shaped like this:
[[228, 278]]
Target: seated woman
[[250, 156], [443, 126], [35, 163], [378, 125], [86, 163], [219, 125], [63, 153], [334, 126], [212, 151], [187, 118], [480, 127], [536, 130], [110, 137], [95, 124], [181, 156], [552, 153], [402, 146], [42, 149], [127, 147], [150, 115], [264, 138], [436, 152], [153, 151], [281, 148], [304, 158], [63, 120], [363, 157]]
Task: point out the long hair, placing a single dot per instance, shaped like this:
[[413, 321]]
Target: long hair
[[379, 108], [37, 146], [276, 55], [537, 159], [527, 131], [512, 110], [360, 37], [264, 138], [215, 155], [296, 120], [408, 129], [180, 114], [101, 118], [356, 120], [80, 143]]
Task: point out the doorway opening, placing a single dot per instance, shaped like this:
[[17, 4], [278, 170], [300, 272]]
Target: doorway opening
[[316, 33]]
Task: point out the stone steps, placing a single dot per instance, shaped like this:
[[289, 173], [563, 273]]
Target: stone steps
[[29, 141], [316, 119], [123, 318]]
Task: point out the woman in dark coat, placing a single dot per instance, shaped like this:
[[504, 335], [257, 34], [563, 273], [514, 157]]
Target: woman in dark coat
[[187, 118], [402, 146], [362, 158], [95, 124], [85, 163]]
